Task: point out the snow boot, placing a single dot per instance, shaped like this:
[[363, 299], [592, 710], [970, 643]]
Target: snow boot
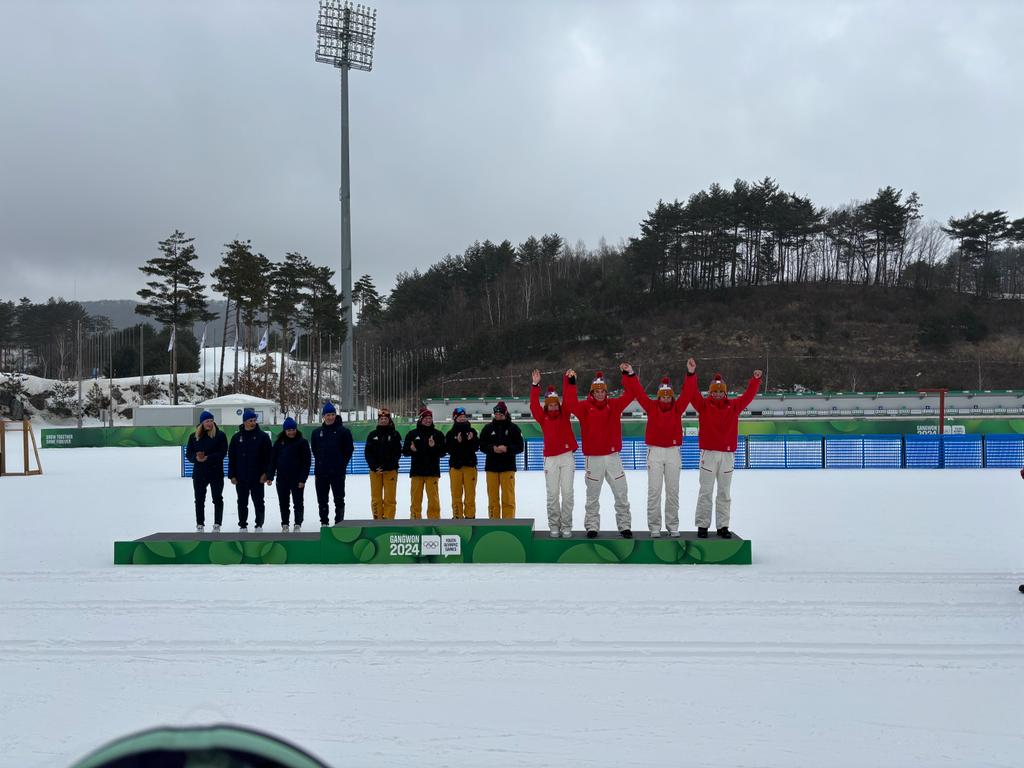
[[243, 529], [553, 533], [297, 528], [200, 529], [626, 533], [674, 534], [566, 534], [258, 529], [702, 533], [216, 528], [591, 534], [284, 528], [655, 534], [723, 533]]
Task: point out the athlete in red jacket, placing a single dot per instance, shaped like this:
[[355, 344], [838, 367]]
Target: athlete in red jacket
[[664, 436], [559, 461], [719, 423], [600, 420]]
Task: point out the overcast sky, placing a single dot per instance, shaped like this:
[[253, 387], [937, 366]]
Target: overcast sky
[[123, 120]]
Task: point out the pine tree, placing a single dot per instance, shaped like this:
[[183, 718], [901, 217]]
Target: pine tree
[[176, 296], [287, 293]]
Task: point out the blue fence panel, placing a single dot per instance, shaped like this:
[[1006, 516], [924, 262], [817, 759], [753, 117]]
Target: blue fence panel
[[844, 452], [923, 451], [962, 451], [766, 452], [1004, 451], [690, 451], [882, 451], [803, 451]]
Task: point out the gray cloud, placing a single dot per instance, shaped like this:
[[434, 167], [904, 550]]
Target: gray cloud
[[122, 121]]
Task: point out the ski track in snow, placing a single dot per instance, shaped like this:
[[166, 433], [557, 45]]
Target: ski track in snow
[[879, 625]]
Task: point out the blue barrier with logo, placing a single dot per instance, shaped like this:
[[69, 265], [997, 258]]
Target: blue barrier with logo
[[785, 452]]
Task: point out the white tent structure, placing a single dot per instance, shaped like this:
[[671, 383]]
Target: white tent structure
[[227, 409]]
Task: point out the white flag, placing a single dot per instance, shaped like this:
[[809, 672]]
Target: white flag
[[202, 344], [170, 345], [295, 344], [263, 341]]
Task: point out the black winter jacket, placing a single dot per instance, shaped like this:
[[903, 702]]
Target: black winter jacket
[[426, 461], [249, 455], [501, 433], [215, 448], [462, 454], [332, 448], [383, 449]]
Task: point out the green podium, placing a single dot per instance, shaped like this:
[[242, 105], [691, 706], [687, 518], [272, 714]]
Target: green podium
[[387, 542]]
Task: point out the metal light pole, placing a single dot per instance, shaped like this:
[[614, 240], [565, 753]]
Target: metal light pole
[[344, 39]]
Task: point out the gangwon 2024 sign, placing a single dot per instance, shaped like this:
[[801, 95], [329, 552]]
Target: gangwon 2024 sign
[[411, 545]]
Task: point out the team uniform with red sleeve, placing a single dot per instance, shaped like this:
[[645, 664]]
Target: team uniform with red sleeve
[[718, 430], [559, 462], [601, 430], [664, 436]]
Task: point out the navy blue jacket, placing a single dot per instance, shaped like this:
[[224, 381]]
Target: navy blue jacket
[[249, 455], [290, 460], [383, 449], [332, 448], [215, 448]]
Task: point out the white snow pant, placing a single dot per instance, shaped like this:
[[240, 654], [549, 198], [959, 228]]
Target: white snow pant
[[663, 466], [599, 469], [559, 472], [715, 466]]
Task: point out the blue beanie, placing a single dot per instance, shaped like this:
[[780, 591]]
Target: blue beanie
[[204, 416], [248, 413], [289, 423], [328, 408]]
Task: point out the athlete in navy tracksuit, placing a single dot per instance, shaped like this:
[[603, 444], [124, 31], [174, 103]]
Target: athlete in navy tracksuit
[[248, 464], [290, 463], [332, 448], [206, 450]]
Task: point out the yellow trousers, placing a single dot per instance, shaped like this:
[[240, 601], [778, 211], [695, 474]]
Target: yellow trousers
[[428, 484], [382, 494], [463, 492], [501, 494]]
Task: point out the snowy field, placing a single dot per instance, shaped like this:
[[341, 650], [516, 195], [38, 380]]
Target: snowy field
[[879, 625]]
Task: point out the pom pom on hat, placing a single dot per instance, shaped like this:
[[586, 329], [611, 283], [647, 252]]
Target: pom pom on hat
[[718, 384], [551, 398], [598, 382], [665, 388], [424, 412]]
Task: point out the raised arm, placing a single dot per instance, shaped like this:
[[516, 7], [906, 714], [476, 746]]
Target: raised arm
[[632, 384], [629, 389], [569, 399], [751, 392], [535, 410], [691, 392]]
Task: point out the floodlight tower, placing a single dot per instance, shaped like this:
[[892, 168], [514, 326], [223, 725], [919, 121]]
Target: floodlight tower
[[344, 39]]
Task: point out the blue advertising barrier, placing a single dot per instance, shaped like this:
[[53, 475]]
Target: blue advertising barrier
[[788, 452]]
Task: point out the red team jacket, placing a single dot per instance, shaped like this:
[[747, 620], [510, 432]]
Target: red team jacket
[[719, 421], [664, 425], [600, 423], [558, 436]]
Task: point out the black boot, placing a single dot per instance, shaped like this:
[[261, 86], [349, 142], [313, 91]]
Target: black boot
[[626, 534], [723, 533], [591, 534], [702, 533]]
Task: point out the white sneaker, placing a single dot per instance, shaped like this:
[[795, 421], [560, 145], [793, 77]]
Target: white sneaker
[[553, 534], [216, 528], [655, 534], [258, 529], [284, 529], [200, 528], [297, 528], [674, 534], [566, 534]]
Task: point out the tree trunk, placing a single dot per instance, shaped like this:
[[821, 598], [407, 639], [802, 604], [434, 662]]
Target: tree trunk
[[223, 348]]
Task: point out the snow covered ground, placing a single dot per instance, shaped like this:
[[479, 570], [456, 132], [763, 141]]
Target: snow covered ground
[[879, 625]]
